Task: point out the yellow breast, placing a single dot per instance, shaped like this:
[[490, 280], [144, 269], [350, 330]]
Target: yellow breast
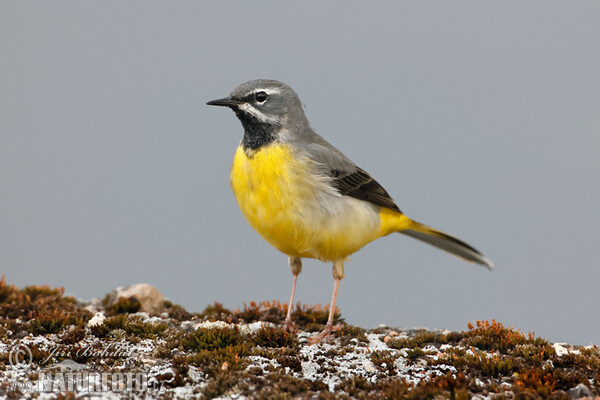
[[296, 210]]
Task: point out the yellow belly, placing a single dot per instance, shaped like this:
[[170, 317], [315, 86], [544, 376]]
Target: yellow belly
[[297, 212]]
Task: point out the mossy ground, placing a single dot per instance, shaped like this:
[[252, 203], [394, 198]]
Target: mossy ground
[[245, 352]]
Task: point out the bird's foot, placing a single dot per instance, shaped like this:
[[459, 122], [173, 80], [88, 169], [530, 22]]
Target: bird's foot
[[289, 326], [326, 333]]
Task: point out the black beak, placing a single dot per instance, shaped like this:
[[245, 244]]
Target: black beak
[[225, 102]]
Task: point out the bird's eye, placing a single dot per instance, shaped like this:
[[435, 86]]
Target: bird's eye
[[261, 97]]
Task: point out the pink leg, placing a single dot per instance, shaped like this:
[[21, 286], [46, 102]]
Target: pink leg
[[288, 325], [329, 327], [296, 267]]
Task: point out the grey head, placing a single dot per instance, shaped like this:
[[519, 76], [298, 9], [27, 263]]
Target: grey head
[[267, 109]]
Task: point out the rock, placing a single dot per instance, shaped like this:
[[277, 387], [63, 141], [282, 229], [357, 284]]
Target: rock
[[580, 391], [390, 336], [369, 366], [150, 298]]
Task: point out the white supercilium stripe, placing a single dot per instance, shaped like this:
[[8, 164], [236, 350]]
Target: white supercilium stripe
[[268, 91]]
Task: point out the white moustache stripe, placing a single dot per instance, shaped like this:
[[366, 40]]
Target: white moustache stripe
[[248, 108]]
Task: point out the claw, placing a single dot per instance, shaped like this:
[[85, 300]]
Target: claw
[[289, 326], [326, 333]]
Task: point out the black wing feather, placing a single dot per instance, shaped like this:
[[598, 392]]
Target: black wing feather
[[360, 185]]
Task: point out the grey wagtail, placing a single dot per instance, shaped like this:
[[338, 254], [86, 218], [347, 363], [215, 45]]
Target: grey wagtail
[[305, 197]]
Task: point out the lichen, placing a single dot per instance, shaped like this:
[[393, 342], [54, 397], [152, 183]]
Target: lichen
[[245, 353]]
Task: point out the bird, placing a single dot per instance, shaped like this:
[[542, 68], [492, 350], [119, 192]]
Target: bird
[[305, 197]]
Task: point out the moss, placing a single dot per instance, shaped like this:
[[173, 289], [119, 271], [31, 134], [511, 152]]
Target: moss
[[100, 330], [170, 345], [45, 309], [209, 339], [356, 387], [124, 305], [567, 379], [539, 382], [384, 360], [394, 389], [414, 354], [494, 366], [503, 362], [268, 311], [177, 312], [49, 322], [216, 348], [216, 312], [219, 385], [73, 336], [425, 338], [577, 360], [281, 386], [574, 368], [531, 355], [230, 358], [310, 318], [313, 318], [494, 336], [291, 362], [38, 356], [445, 386], [274, 337], [349, 332], [9, 327], [130, 325]]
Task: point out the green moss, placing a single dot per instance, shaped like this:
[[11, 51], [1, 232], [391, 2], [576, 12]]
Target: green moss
[[529, 355], [384, 360], [177, 312], [47, 310], [446, 386], [124, 305], [415, 353], [425, 338], [313, 318], [274, 337], [277, 385], [209, 339], [291, 362], [219, 385], [73, 335], [229, 359], [355, 386], [267, 311], [170, 345], [130, 325], [216, 312], [349, 332], [394, 389], [494, 366]]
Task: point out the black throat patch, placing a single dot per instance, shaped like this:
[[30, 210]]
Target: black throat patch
[[256, 132]]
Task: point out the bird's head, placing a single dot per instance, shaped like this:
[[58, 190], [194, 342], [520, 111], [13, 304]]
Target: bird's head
[[265, 107]]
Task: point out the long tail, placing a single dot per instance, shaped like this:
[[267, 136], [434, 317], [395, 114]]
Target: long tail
[[446, 242]]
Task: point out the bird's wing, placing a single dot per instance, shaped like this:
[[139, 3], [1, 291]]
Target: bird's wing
[[360, 185], [346, 177]]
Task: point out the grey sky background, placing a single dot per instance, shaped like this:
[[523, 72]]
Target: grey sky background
[[481, 119]]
